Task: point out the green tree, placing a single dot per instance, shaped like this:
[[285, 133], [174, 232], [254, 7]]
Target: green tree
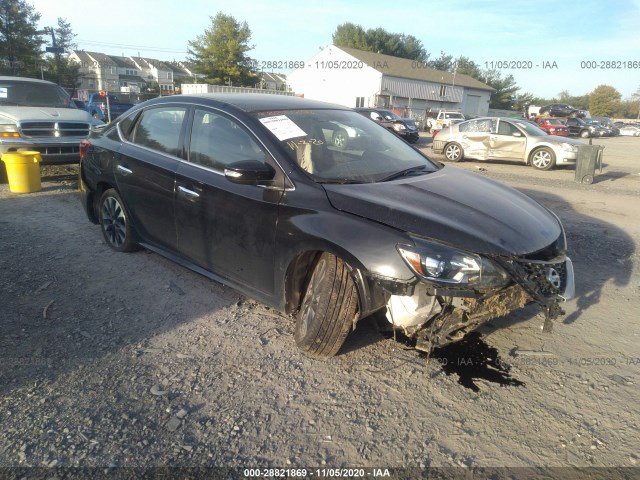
[[444, 63], [379, 40], [604, 101], [20, 40], [350, 35], [466, 66], [221, 52], [634, 104], [506, 89]]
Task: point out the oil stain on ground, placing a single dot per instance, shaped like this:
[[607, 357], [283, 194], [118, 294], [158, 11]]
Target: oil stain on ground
[[472, 359]]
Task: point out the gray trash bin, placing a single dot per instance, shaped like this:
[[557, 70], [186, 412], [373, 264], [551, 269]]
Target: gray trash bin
[[589, 156]]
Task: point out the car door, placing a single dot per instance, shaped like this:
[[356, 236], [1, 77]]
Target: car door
[[145, 171], [507, 142], [475, 137], [227, 228]]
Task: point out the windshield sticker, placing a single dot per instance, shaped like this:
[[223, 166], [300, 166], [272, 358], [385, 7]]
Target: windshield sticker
[[3, 92], [282, 127]]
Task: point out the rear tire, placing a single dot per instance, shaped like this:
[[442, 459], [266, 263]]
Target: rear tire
[[114, 222], [328, 309], [453, 152], [585, 134]]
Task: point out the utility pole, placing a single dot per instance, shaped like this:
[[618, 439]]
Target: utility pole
[[55, 50]]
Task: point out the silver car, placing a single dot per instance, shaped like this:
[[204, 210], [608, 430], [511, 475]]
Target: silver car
[[496, 138]]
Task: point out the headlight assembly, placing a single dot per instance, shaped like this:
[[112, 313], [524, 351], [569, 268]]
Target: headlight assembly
[[398, 127], [567, 147], [9, 130], [447, 266]]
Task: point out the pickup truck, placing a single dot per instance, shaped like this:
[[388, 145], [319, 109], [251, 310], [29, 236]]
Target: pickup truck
[[36, 115], [96, 105], [444, 118]]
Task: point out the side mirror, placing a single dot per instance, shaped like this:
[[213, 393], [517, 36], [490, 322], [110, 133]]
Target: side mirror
[[249, 172]]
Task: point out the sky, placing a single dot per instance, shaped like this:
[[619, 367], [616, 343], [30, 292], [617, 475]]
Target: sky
[[579, 42]]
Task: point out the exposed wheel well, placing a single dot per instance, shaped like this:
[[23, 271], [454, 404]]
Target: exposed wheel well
[[299, 272], [95, 199]]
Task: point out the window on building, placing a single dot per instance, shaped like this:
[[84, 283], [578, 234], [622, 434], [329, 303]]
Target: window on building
[[359, 102], [443, 90]]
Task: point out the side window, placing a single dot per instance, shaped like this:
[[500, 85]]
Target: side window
[[505, 128], [483, 125], [217, 141], [125, 125], [159, 129]]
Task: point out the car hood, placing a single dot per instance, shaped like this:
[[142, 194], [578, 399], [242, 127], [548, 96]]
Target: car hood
[[21, 114], [456, 207]]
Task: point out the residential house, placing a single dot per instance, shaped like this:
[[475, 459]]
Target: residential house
[[97, 71], [129, 79], [155, 71]]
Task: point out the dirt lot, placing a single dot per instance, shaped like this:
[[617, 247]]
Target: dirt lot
[[130, 360]]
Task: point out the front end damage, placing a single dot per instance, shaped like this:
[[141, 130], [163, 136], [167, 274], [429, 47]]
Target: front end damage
[[435, 315]]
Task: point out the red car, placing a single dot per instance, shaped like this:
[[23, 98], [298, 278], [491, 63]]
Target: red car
[[553, 126]]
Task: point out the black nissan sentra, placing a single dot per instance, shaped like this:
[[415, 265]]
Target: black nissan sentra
[[253, 191]]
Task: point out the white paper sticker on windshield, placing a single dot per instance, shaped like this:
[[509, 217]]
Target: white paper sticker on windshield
[[3, 92], [282, 127]]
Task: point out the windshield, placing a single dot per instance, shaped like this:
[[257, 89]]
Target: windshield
[[389, 115], [530, 128], [33, 94], [340, 146]]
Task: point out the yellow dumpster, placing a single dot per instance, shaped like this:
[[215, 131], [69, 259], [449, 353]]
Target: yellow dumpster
[[23, 171]]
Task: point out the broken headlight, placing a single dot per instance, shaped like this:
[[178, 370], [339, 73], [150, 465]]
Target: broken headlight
[[447, 266]]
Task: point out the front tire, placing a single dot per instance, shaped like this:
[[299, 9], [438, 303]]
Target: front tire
[[114, 222], [453, 152], [585, 134], [543, 159], [328, 309]]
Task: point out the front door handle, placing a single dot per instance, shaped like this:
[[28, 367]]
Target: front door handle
[[188, 193], [124, 170]]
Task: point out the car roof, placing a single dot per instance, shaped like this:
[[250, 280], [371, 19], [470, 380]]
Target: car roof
[[256, 102]]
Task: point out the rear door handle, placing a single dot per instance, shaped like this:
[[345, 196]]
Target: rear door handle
[[188, 193], [124, 170]]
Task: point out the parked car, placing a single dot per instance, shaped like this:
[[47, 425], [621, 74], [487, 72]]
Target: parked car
[[494, 138], [443, 119], [553, 126], [608, 125], [250, 191], [40, 116], [561, 110], [101, 108], [578, 127], [630, 130], [404, 127]]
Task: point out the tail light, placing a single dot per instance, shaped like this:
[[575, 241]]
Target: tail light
[[84, 148]]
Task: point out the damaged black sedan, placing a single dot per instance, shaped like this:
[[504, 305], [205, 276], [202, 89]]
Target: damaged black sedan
[[252, 191]]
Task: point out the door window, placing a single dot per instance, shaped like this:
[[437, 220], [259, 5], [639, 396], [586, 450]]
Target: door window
[[217, 141], [159, 129], [505, 128]]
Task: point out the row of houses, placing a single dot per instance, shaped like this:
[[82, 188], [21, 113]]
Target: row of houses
[[346, 76]]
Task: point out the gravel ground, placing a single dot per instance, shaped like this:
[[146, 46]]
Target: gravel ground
[[129, 360]]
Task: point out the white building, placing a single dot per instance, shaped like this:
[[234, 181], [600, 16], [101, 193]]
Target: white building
[[355, 78]]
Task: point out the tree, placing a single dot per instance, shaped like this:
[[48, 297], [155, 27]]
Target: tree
[[466, 66], [604, 101], [634, 104], [444, 63], [221, 53], [506, 89], [378, 40], [20, 40]]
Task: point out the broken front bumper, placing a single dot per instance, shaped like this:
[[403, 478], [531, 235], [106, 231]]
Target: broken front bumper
[[437, 317]]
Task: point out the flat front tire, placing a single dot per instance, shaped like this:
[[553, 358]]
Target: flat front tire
[[543, 159], [114, 222], [328, 310]]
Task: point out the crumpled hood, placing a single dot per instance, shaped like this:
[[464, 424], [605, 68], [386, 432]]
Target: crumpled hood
[[35, 114], [456, 207]]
